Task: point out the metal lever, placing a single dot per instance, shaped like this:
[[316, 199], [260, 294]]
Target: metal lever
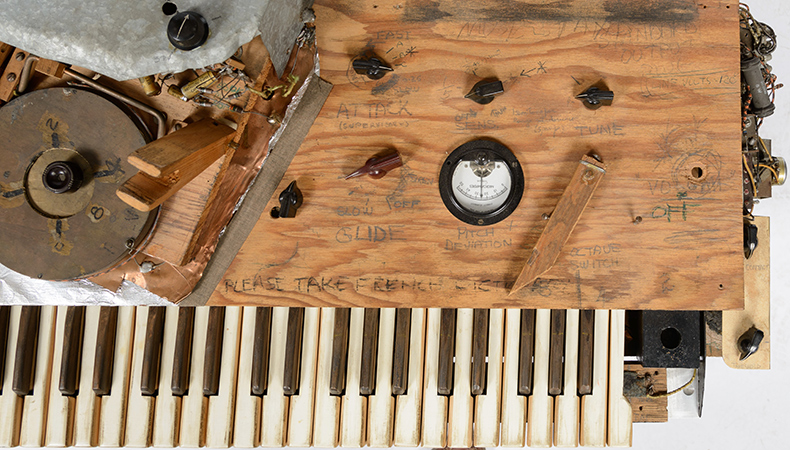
[[749, 342], [290, 201], [371, 67]]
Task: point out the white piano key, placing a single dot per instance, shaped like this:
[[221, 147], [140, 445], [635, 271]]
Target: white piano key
[[593, 406], [487, 406], [300, 423], [86, 420], [434, 423], [139, 420], [380, 404], [167, 409], [514, 406], [221, 407], [459, 433], [61, 407], [10, 403], [566, 406], [113, 406], [246, 433], [34, 410], [193, 403], [327, 406], [275, 403], [539, 412], [620, 416], [408, 407], [354, 406]]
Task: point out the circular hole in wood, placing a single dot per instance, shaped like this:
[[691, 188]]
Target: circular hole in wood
[[670, 338], [697, 173]]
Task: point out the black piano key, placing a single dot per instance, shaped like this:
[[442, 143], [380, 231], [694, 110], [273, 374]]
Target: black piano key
[[5, 314], [260, 350], [105, 350], [400, 351], [556, 351], [71, 360], [337, 376], [152, 352], [26, 346], [479, 351], [213, 356], [293, 351], [586, 329], [526, 351], [370, 344], [444, 385], [182, 354]]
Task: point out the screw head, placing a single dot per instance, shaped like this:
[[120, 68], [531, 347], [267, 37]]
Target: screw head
[[20, 56], [11, 77]]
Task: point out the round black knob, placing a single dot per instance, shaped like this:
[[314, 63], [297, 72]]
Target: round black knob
[[187, 30], [62, 176]]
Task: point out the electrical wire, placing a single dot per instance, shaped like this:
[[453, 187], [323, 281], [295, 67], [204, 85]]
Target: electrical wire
[[675, 391]]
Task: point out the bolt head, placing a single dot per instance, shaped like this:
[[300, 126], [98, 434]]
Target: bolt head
[[20, 56], [11, 77]]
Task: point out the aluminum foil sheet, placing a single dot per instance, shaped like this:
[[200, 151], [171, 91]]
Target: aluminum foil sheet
[[127, 39]]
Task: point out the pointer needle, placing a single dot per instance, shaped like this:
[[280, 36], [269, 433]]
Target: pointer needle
[[182, 26]]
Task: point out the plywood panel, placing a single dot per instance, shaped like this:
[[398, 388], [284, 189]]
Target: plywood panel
[[674, 69]]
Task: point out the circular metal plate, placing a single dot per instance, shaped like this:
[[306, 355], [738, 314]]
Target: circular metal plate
[[73, 234]]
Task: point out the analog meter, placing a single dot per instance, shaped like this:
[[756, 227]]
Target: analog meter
[[481, 182]]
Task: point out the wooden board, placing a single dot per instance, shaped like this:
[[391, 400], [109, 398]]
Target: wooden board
[[674, 69], [756, 309]]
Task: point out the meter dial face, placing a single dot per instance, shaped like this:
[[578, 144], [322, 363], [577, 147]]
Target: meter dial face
[[481, 182]]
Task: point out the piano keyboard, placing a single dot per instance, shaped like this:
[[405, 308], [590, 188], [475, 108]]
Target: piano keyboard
[[260, 376]]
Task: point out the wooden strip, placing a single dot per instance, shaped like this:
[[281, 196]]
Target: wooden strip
[[182, 353], [526, 351], [586, 330], [152, 352], [26, 348], [756, 307], [260, 350], [447, 336], [293, 351], [5, 314], [337, 380], [104, 358], [556, 351], [71, 351], [213, 353], [184, 153], [400, 357], [563, 220], [370, 340], [9, 78], [50, 67], [479, 351]]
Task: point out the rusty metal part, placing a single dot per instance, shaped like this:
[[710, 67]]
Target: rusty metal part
[[161, 120], [72, 234]]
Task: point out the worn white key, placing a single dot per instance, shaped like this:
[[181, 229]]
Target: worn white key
[[140, 418], [34, 410], [514, 406], [193, 403], [246, 433], [593, 423], [61, 407], [113, 406], [380, 404], [487, 406], [327, 407], [459, 420], [86, 421], [221, 407], [300, 424], [408, 407], [539, 412], [10, 403], [354, 406], [620, 416], [434, 419], [275, 403], [566, 406], [167, 412]]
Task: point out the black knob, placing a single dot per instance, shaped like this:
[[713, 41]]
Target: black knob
[[187, 30], [62, 176]]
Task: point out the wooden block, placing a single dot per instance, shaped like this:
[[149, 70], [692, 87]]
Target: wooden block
[[644, 408], [390, 242], [185, 152], [50, 67], [756, 307], [179, 217], [9, 79], [5, 53]]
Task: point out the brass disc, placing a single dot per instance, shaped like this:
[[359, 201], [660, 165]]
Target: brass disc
[[88, 229]]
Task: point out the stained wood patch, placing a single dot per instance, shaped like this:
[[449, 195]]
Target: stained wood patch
[[674, 69]]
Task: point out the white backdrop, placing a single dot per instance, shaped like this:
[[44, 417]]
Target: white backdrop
[[749, 409]]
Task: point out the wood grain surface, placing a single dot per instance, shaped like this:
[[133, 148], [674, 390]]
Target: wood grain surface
[[674, 69]]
